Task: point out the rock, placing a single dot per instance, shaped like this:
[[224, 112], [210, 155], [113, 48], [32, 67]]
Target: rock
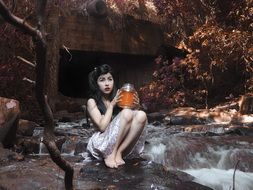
[[9, 116], [191, 116], [28, 145], [7, 155], [65, 119], [31, 174], [156, 116], [240, 130], [243, 120], [80, 147], [206, 128], [42, 173], [26, 128], [68, 147], [65, 116], [32, 145], [136, 174], [183, 120], [71, 105], [223, 117]]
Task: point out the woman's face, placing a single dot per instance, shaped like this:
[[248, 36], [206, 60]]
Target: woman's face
[[105, 83]]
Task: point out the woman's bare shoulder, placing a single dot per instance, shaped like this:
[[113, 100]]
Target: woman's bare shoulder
[[91, 103], [91, 100]]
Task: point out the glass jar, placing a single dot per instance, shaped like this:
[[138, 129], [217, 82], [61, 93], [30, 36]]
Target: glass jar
[[127, 92]]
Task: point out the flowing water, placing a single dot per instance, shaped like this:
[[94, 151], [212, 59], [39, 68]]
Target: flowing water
[[209, 157]]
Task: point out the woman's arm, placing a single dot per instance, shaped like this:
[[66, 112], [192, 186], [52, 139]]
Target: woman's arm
[[101, 121]]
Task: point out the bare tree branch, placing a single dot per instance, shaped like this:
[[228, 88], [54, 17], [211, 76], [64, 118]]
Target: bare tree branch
[[18, 22], [236, 165], [41, 54], [67, 50]]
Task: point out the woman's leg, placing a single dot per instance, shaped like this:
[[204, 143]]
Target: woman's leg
[[137, 126], [126, 117]]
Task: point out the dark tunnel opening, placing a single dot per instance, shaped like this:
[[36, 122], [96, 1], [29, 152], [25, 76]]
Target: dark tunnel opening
[[75, 66]]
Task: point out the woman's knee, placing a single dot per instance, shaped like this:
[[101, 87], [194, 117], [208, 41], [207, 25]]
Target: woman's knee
[[141, 117], [127, 114]]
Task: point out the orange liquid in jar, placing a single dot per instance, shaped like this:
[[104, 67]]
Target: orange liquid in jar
[[127, 99]]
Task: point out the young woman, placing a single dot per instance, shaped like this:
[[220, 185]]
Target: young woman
[[118, 131]]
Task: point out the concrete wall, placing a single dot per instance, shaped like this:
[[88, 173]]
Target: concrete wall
[[79, 32]]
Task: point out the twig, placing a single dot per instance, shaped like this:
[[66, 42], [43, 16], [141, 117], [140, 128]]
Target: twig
[[28, 80], [236, 165], [16, 21], [26, 61], [67, 50]]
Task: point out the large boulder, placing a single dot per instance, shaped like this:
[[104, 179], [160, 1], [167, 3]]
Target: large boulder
[[9, 116], [136, 174]]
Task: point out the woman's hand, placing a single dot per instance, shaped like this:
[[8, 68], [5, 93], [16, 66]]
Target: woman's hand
[[117, 98], [136, 100]]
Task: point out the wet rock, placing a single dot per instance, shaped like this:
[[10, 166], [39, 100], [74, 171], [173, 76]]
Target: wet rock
[[243, 120], [184, 120], [31, 174], [65, 119], [136, 174], [70, 105], [156, 116], [28, 145], [157, 123], [42, 173], [80, 147], [198, 150], [191, 116], [239, 130], [7, 155], [69, 145], [206, 128], [2, 188]]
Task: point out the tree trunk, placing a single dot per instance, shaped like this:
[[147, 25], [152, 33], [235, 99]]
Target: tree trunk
[[41, 51]]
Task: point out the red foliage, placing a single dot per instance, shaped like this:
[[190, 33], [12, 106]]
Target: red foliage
[[217, 35], [12, 70]]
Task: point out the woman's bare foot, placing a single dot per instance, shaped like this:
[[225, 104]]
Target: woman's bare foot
[[119, 160], [110, 162]]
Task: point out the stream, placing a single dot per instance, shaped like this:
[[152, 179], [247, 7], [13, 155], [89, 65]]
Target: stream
[[209, 156]]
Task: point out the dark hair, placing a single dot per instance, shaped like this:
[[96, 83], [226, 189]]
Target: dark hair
[[95, 92]]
